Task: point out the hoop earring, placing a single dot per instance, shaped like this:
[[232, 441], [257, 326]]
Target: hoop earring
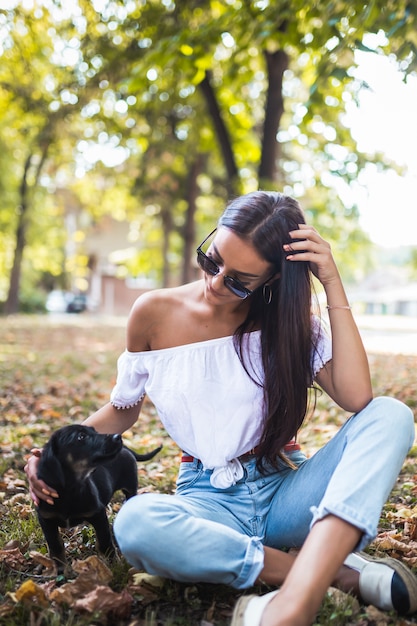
[[267, 294]]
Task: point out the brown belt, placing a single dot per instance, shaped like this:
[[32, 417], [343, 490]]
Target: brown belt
[[291, 446]]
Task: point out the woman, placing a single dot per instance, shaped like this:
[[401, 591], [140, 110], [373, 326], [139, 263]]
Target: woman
[[229, 361]]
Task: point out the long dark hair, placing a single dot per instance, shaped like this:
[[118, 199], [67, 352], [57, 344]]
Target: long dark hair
[[264, 219]]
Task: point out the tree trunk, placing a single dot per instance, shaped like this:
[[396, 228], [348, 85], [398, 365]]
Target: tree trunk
[[166, 219], [12, 303], [221, 132], [188, 271], [277, 63]]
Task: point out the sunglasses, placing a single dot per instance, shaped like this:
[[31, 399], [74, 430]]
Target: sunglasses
[[210, 267]]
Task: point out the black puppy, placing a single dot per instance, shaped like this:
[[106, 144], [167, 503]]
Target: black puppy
[[85, 468]]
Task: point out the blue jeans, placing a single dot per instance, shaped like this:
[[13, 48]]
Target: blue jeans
[[203, 534]]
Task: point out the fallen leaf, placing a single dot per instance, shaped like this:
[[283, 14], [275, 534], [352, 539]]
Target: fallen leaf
[[92, 572], [144, 594], [7, 607], [343, 600], [155, 582], [43, 560], [146, 586], [103, 599], [402, 513], [64, 595], [13, 559], [377, 617], [94, 569], [386, 542], [31, 593]]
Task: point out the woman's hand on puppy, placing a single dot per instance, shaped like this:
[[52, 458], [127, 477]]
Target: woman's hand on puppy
[[37, 488]]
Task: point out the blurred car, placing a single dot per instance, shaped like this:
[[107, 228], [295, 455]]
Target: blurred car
[[65, 302], [78, 304]]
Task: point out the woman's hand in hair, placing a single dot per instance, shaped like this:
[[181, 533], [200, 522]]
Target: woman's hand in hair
[[309, 246], [346, 377]]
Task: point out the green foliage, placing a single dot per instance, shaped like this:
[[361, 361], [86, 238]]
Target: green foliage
[[32, 301], [83, 88]]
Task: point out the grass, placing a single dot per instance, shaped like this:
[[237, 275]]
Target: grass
[[56, 371]]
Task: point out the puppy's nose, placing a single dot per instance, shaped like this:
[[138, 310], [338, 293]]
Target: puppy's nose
[[116, 437]]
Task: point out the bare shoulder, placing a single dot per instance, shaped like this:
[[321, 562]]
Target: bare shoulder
[[155, 302], [152, 314]]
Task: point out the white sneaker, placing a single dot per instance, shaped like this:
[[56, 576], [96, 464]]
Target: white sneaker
[[248, 610], [385, 582]]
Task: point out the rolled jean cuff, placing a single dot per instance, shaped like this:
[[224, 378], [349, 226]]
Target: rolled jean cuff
[[348, 515], [252, 566]]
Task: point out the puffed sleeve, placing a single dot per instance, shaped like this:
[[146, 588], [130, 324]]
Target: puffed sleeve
[[322, 345], [129, 389]]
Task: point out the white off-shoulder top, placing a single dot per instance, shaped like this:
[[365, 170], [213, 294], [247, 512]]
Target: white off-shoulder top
[[206, 401]]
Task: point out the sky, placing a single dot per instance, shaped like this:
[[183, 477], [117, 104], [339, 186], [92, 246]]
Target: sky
[[387, 121]]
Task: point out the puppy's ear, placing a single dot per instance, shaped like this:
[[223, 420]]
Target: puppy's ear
[[50, 469]]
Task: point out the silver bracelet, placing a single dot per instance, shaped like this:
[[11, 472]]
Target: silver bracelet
[[338, 306]]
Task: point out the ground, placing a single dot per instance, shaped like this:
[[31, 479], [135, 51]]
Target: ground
[[55, 371]]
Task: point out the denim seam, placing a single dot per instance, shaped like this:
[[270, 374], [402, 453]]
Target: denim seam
[[252, 566]]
